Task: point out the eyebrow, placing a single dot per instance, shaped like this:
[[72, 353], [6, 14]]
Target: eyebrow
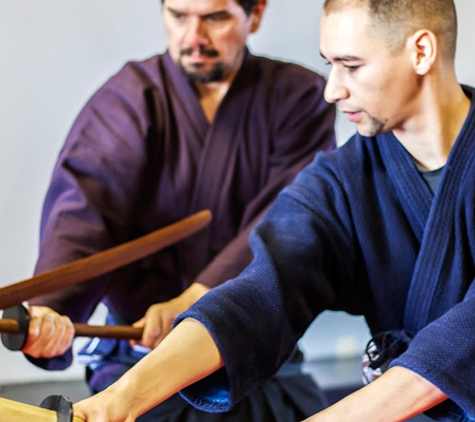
[[344, 58], [216, 13], [171, 9]]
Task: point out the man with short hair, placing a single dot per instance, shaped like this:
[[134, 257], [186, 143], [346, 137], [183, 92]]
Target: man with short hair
[[383, 227], [207, 125]]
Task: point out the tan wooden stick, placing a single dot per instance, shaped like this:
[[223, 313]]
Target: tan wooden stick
[[13, 411], [102, 262]]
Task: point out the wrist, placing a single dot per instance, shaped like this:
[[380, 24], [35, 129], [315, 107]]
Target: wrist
[[194, 293], [128, 391]]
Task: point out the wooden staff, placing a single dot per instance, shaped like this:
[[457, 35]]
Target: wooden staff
[[13, 411], [120, 332], [102, 262]]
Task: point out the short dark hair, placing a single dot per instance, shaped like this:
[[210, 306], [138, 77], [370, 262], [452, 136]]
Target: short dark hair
[[247, 5], [395, 20]]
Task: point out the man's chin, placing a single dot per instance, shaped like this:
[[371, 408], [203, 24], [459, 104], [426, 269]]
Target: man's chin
[[370, 133], [363, 131], [203, 76], [375, 129]]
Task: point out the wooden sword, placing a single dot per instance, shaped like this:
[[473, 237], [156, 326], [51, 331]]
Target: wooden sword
[[102, 262], [52, 409]]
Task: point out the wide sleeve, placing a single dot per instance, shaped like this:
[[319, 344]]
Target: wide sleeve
[[92, 194], [444, 353], [301, 124], [303, 256]]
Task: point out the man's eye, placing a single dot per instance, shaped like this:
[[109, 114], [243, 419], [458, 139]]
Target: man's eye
[[178, 15], [351, 68], [217, 17]]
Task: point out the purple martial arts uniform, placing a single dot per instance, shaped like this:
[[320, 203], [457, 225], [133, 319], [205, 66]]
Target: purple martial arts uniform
[[142, 155]]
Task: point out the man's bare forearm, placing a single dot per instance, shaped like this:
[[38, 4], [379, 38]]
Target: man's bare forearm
[[187, 355], [396, 396]]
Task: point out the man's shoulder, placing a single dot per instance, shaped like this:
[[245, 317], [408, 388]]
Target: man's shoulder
[[130, 82], [357, 152], [145, 69], [284, 69]]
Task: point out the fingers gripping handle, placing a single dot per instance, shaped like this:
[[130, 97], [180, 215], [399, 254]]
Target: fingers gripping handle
[[16, 320]]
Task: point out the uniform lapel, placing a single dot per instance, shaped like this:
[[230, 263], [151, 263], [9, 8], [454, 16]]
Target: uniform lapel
[[436, 223]]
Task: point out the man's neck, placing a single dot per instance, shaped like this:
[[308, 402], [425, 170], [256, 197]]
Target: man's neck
[[430, 136], [210, 95]]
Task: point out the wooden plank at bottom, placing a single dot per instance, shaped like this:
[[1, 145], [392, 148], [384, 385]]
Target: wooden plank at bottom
[[13, 411]]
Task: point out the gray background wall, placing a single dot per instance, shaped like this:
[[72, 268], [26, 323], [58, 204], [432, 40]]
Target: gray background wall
[[55, 53]]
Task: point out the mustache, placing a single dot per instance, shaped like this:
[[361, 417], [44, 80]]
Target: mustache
[[208, 52]]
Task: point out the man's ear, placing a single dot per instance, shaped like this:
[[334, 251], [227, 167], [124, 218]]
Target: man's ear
[[424, 50], [256, 15]]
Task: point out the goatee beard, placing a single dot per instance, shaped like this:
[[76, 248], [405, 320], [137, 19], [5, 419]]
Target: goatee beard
[[215, 74], [195, 73]]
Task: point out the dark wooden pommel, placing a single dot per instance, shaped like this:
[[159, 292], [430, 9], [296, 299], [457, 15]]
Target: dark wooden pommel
[[15, 334]]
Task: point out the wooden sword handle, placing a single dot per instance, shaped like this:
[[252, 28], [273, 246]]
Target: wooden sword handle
[[20, 412], [120, 332], [16, 321]]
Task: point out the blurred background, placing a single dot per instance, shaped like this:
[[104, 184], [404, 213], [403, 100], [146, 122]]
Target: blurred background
[[54, 54]]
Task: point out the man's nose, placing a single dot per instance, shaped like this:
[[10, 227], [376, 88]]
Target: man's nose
[[334, 89], [196, 34]]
